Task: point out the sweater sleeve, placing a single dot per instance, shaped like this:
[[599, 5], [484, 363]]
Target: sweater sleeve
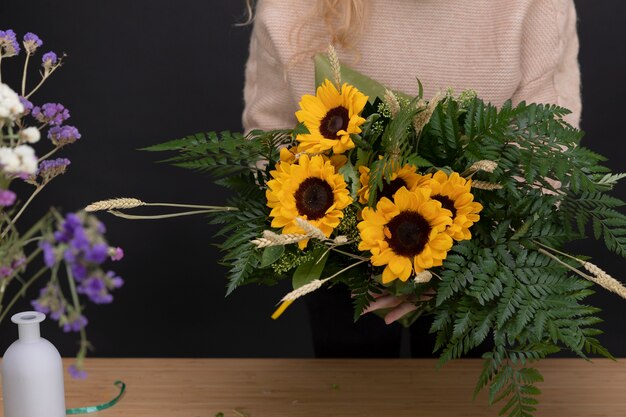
[[550, 31], [267, 100]]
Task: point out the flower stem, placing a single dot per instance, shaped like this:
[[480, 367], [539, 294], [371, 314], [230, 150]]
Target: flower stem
[[17, 216], [198, 206], [166, 216], [7, 280], [25, 286], [43, 79], [49, 154], [24, 74]]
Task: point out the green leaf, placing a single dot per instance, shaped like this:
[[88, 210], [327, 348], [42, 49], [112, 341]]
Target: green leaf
[[365, 84], [310, 270], [271, 255]]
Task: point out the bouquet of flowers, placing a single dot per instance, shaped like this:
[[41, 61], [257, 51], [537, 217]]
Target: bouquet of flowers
[[453, 205], [72, 247]]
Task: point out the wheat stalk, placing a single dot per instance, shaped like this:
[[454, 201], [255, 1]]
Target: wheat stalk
[[603, 279], [484, 185], [423, 277], [310, 230], [333, 58], [484, 165], [115, 203], [274, 239]]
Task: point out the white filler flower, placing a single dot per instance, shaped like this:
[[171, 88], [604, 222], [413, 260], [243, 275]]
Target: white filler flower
[[30, 135], [10, 105], [18, 160]]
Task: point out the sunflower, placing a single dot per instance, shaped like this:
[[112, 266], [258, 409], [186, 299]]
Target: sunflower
[[291, 155], [331, 117], [310, 189], [454, 193], [403, 177], [407, 234]]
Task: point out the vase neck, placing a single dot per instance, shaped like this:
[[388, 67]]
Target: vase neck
[[28, 325]]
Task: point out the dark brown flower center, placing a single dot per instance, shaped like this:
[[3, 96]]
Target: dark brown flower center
[[313, 198], [446, 203], [409, 234], [335, 120], [389, 189]]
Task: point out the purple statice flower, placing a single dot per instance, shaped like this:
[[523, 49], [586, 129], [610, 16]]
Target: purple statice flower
[[28, 106], [95, 289], [50, 301], [52, 113], [76, 372], [7, 198], [68, 227], [113, 281], [74, 322], [116, 254], [9, 46], [5, 271], [31, 43], [63, 135], [97, 253], [18, 262], [49, 59], [49, 254], [52, 168]]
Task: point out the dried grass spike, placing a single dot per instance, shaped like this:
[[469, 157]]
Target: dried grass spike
[[484, 165], [484, 185], [392, 102], [114, 203], [603, 279], [423, 277], [304, 290], [333, 58], [310, 230]]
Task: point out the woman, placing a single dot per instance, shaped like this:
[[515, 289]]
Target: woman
[[524, 50]]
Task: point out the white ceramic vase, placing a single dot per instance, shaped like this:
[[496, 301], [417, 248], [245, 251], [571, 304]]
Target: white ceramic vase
[[32, 372]]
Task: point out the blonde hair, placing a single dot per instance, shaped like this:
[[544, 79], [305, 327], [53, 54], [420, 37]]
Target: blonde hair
[[344, 19]]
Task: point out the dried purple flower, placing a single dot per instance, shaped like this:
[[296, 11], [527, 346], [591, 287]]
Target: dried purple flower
[[9, 46], [51, 168], [7, 198], [74, 322], [49, 59], [116, 254], [76, 372], [52, 113], [31, 43], [50, 301], [28, 106], [63, 135]]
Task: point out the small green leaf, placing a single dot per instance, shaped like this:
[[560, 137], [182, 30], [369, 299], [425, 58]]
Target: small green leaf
[[365, 84], [271, 255], [310, 270]]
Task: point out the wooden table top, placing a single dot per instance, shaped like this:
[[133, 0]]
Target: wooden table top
[[346, 388]]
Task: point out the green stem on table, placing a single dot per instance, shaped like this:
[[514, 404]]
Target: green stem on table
[[19, 214], [24, 74], [162, 216], [27, 284]]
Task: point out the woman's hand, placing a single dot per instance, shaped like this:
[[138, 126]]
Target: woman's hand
[[399, 305]]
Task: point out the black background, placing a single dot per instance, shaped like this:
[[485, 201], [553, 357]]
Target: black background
[[141, 72]]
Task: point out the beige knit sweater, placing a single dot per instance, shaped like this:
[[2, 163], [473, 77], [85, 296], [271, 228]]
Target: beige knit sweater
[[519, 49]]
